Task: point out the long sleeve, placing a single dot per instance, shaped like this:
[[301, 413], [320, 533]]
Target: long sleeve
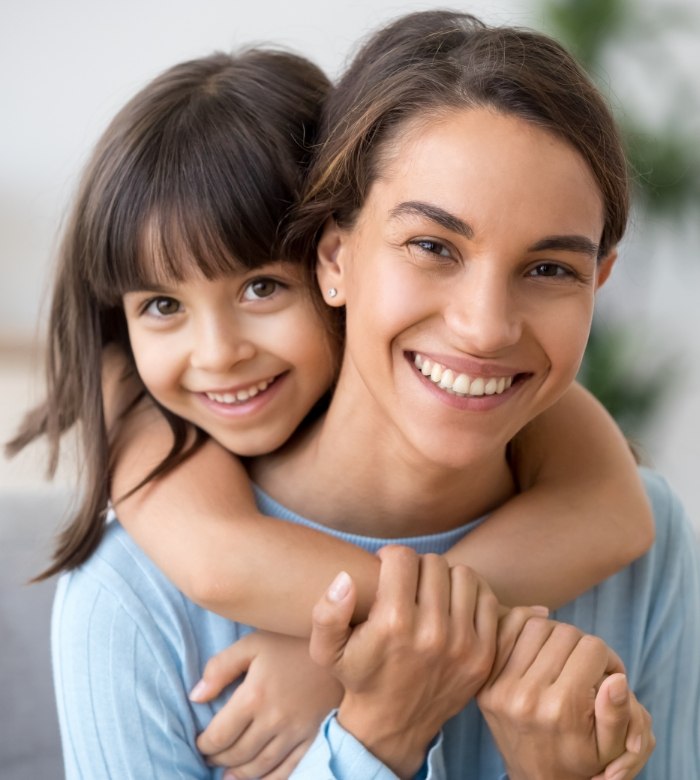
[[123, 656], [650, 614], [337, 755]]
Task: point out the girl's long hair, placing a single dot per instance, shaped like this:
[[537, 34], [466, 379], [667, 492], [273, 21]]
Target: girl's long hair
[[200, 168]]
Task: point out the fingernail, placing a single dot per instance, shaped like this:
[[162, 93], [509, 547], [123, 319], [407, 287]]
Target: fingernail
[[618, 691], [340, 587], [538, 609], [621, 775], [199, 691], [634, 745]]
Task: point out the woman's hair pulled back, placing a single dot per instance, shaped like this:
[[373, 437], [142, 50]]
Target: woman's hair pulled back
[[197, 173], [428, 63]]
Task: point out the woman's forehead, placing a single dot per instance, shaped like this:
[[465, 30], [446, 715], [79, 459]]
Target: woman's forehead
[[498, 169]]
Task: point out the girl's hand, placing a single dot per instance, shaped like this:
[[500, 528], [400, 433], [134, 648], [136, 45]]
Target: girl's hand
[[273, 716], [550, 712], [425, 649]]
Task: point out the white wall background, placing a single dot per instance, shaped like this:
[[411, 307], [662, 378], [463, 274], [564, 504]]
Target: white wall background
[[67, 66]]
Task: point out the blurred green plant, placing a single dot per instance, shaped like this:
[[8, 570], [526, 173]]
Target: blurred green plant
[[665, 167]]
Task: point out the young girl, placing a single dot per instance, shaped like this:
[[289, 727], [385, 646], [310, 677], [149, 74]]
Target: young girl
[[174, 237]]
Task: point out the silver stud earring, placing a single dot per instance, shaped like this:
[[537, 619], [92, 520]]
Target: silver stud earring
[[332, 292]]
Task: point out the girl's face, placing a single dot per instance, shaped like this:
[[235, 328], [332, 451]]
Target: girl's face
[[468, 279], [243, 357]]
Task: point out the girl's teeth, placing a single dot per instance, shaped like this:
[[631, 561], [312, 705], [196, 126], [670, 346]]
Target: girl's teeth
[[461, 384], [241, 395]]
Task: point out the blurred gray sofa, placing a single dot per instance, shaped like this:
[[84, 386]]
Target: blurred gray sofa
[[29, 741]]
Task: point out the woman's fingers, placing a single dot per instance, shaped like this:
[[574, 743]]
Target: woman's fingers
[[639, 745], [612, 716], [331, 618]]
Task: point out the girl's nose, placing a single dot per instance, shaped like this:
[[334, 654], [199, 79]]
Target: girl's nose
[[482, 314], [219, 346]]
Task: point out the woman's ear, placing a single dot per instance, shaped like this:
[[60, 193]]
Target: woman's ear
[[330, 263], [605, 267]]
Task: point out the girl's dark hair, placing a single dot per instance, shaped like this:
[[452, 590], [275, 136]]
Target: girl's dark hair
[[427, 63], [200, 168]]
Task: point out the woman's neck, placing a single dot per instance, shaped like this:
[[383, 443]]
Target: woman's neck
[[351, 472]]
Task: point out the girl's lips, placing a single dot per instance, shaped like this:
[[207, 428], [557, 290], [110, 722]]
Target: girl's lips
[[242, 401], [240, 394]]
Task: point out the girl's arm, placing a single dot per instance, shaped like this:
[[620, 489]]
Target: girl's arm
[[583, 515]]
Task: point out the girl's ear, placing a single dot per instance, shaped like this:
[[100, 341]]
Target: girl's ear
[[605, 267], [330, 264]]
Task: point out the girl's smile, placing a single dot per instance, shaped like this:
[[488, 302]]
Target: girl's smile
[[243, 357]]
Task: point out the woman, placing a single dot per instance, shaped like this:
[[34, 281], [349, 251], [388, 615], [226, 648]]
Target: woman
[[466, 224], [470, 194]]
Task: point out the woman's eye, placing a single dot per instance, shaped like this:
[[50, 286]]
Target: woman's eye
[[551, 271], [431, 247], [259, 289], [162, 307]]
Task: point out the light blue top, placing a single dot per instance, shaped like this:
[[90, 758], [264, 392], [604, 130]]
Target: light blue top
[[128, 646]]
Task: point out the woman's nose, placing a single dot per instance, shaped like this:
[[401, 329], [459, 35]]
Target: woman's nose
[[220, 345], [482, 315]]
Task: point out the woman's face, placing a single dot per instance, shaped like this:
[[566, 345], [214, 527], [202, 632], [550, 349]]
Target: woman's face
[[468, 280]]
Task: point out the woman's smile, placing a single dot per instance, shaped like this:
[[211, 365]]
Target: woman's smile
[[468, 279]]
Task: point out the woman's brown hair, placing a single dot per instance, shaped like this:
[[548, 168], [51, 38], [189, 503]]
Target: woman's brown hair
[[200, 168], [427, 63]]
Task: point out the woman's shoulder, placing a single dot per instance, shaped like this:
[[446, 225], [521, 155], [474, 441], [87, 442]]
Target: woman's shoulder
[[674, 530]]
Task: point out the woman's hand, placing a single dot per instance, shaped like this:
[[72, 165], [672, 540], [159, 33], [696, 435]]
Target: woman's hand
[[558, 706], [425, 649], [273, 716]]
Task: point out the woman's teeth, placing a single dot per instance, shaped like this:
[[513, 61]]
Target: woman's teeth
[[240, 395], [461, 384]]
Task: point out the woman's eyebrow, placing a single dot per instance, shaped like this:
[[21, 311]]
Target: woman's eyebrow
[[573, 243], [434, 214]]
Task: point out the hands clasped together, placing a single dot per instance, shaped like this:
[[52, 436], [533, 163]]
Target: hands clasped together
[[556, 700]]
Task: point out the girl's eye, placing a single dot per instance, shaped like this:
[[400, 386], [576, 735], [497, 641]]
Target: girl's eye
[[162, 306], [259, 289], [429, 246]]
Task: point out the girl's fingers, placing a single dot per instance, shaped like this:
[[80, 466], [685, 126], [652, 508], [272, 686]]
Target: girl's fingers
[[223, 669], [330, 629], [284, 770], [257, 756], [225, 728]]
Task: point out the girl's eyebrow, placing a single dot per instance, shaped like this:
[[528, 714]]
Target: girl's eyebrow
[[146, 286], [434, 214], [565, 243]]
